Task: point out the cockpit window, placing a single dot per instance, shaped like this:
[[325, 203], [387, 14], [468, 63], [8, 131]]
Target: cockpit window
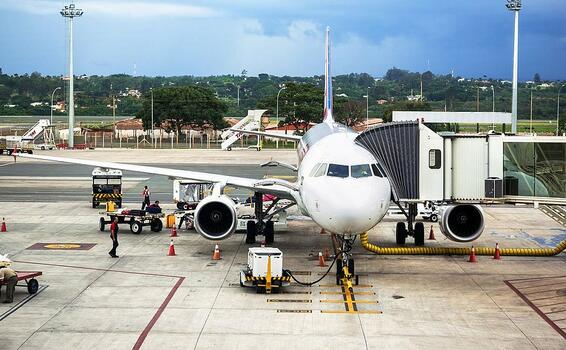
[[314, 169], [362, 170], [377, 171], [337, 170], [321, 170]]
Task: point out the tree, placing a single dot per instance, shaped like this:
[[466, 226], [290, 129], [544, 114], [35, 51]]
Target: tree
[[299, 104], [175, 107], [349, 113], [396, 74], [536, 78]]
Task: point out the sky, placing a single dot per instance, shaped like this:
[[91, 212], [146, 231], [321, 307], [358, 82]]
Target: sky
[[284, 37]]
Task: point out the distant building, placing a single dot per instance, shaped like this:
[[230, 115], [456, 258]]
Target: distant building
[[381, 102], [37, 104], [414, 97], [342, 95]]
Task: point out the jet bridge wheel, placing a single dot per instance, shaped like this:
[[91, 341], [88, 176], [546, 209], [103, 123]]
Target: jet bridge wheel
[[419, 234], [401, 233]]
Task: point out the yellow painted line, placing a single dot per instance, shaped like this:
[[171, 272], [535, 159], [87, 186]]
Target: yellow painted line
[[340, 293], [349, 305], [353, 301], [350, 312], [338, 286]]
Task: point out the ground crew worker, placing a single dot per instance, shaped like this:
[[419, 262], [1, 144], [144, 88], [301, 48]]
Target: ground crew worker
[[145, 194], [8, 277], [114, 237]]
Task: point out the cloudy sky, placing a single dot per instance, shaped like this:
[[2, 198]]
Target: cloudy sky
[[284, 37]]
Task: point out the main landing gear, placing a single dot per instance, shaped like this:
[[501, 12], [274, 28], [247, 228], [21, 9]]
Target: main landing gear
[[414, 229], [263, 224], [345, 269]]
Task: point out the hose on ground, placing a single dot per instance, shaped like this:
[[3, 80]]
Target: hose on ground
[[364, 239], [318, 280]]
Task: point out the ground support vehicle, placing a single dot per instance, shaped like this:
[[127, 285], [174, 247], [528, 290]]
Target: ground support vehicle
[[264, 271], [106, 186], [136, 219]]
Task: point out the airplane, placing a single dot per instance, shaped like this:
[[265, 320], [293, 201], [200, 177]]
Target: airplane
[[340, 185]]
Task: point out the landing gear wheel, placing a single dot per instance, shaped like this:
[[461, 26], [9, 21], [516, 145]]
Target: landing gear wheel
[[338, 271], [33, 286], [156, 225], [400, 233], [229, 148], [250, 232], [419, 234], [136, 227], [434, 218], [269, 232], [101, 224]]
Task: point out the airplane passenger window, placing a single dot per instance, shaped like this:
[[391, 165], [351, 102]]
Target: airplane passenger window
[[362, 170], [376, 171], [337, 170], [321, 170]]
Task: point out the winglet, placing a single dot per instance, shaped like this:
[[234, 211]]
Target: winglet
[[328, 118]]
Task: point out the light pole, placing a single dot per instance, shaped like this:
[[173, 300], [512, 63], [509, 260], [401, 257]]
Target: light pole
[[277, 113], [71, 12], [558, 111], [52, 94], [493, 105], [515, 6], [531, 122], [367, 108], [152, 131], [238, 86]]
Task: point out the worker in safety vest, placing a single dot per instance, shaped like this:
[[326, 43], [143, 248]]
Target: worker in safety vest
[[114, 237], [8, 277], [145, 194]]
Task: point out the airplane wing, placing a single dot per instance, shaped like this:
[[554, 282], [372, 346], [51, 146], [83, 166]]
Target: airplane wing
[[268, 134], [278, 187]]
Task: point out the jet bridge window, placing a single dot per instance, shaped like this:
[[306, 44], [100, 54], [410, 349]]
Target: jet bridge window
[[337, 170], [362, 170], [434, 159]]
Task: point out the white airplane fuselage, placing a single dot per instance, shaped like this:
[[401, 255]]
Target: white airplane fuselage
[[346, 202]]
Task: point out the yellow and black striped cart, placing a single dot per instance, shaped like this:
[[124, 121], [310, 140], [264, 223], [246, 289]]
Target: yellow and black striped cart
[[106, 187]]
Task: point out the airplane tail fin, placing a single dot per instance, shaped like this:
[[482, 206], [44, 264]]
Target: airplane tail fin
[[328, 118]]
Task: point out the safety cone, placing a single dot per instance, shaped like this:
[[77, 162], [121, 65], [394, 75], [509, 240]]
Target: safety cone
[[497, 255], [171, 249], [473, 255], [326, 254], [321, 262], [3, 228], [216, 254], [431, 234], [173, 232]]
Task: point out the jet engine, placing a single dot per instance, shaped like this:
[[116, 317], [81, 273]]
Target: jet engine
[[215, 217], [461, 222]]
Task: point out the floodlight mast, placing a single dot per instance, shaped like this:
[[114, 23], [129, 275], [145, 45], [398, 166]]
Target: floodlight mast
[[515, 6], [71, 12]]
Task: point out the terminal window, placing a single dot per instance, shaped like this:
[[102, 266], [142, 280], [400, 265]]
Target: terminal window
[[534, 169]]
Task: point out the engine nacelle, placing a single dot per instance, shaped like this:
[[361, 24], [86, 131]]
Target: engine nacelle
[[461, 222], [215, 217]]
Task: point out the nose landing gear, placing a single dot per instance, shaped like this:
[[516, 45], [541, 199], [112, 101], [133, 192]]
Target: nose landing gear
[[345, 269]]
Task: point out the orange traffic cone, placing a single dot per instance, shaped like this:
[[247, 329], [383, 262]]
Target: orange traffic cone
[[171, 249], [3, 228], [497, 255], [431, 234], [473, 255], [321, 262], [216, 254], [173, 231]]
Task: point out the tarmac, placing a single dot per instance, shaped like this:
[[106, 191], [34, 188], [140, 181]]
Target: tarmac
[[148, 300]]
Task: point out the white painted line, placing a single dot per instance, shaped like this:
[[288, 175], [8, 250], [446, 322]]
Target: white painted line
[[64, 178], [6, 164]]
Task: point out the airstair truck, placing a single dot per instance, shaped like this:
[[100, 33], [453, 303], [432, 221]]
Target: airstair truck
[[26, 142]]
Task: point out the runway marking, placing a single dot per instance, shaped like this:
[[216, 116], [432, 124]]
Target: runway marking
[[376, 312], [22, 303], [518, 285], [289, 301], [159, 311], [340, 293], [351, 301], [294, 311], [5, 164], [61, 246]]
